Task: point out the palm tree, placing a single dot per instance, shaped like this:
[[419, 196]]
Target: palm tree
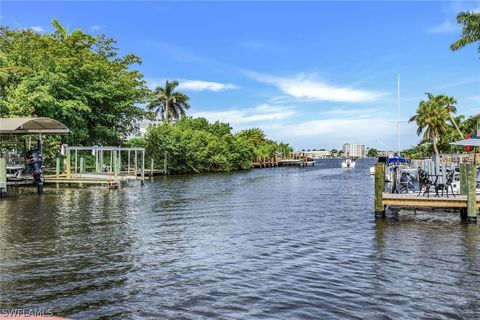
[[471, 29], [431, 119], [449, 105], [255, 136], [170, 104]]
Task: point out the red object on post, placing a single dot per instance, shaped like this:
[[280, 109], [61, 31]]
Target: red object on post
[[467, 148]]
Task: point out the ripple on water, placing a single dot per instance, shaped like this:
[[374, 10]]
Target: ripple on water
[[282, 243]]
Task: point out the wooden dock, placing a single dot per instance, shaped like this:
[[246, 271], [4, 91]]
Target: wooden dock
[[296, 160], [90, 179], [467, 201], [413, 200]]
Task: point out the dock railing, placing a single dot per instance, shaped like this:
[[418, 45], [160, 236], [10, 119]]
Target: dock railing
[[102, 165], [466, 201]]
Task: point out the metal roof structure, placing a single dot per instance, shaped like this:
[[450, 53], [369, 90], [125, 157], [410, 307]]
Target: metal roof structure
[[20, 126], [473, 142]]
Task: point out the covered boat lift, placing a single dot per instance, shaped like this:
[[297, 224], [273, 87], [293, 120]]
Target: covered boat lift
[[23, 126], [27, 126]]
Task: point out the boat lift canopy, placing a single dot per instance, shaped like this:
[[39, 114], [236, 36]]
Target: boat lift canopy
[[472, 142], [397, 160], [22, 126]]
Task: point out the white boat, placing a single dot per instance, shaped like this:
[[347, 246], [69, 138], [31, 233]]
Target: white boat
[[348, 163]]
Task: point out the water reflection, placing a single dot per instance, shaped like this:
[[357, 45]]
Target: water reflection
[[283, 243], [428, 268]]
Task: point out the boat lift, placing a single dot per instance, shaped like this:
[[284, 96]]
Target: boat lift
[[33, 159]]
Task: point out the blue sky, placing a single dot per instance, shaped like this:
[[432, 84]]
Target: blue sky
[[315, 74]]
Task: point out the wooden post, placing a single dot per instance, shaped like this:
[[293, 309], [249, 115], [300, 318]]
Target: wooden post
[[57, 168], [128, 165], [119, 162], [379, 189], [136, 162], [114, 159], [102, 164], [67, 166], [112, 165], [151, 168], [97, 161], [82, 165], [3, 176], [76, 158], [165, 163], [143, 167], [463, 179], [471, 193]]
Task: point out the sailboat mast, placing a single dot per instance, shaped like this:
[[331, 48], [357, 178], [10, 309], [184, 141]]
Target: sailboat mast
[[398, 114]]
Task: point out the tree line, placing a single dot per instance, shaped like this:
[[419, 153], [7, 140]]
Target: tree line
[[82, 81]]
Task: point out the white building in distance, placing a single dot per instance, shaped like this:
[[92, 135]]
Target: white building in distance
[[354, 150], [141, 127]]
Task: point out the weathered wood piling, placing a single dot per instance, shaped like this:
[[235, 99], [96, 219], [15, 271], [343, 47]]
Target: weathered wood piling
[[379, 189], [471, 190], [3, 176]]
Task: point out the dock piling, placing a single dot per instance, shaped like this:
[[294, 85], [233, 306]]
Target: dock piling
[[471, 189], [82, 165], [143, 168], [114, 158], [151, 168], [67, 165], [379, 189], [3, 176], [463, 180], [165, 163], [57, 168]]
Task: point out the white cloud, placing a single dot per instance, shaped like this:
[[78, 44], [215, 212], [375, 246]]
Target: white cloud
[[96, 28], [238, 117], [333, 132], [445, 27], [252, 44], [192, 85], [198, 85], [37, 29], [474, 98], [307, 87]]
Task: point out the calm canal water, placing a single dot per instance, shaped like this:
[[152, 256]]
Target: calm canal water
[[283, 243]]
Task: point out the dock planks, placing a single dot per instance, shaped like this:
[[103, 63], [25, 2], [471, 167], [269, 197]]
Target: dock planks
[[413, 200]]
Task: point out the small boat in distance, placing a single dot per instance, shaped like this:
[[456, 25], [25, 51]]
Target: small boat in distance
[[348, 163]]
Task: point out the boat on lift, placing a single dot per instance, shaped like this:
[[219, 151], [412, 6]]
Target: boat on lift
[[392, 161]]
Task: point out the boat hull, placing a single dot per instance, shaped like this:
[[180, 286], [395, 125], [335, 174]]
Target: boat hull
[[348, 164]]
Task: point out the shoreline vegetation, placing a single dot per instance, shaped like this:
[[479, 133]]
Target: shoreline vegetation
[[83, 82], [194, 145]]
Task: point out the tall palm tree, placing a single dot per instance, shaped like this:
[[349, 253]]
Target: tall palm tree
[[431, 119], [471, 29], [170, 104], [449, 105]]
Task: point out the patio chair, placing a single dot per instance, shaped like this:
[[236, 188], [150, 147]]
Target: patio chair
[[447, 185], [425, 182]]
